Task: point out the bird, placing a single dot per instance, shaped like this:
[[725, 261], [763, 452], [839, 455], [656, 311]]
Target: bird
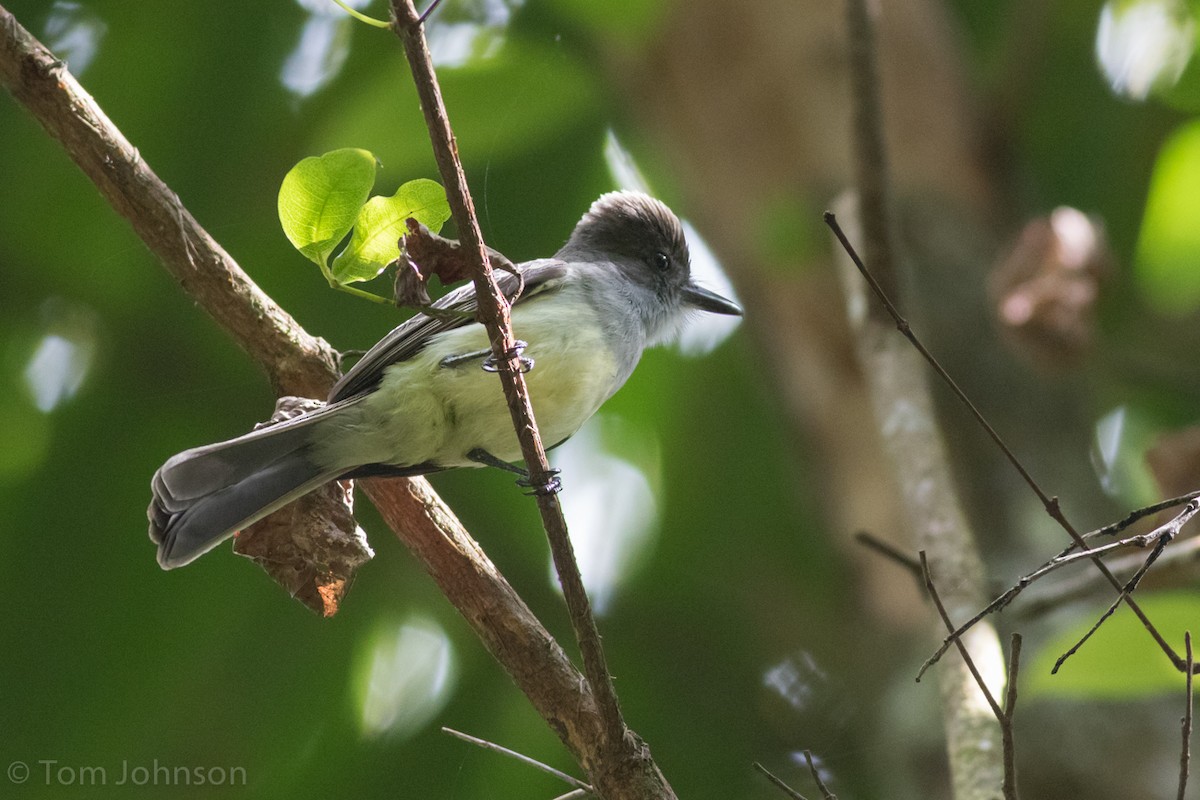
[[424, 398]]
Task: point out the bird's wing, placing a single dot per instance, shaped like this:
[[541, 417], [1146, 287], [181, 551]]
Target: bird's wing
[[409, 338]]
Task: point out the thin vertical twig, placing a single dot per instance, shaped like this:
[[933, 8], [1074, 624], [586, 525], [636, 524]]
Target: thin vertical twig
[[1006, 722], [816, 776], [493, 310], [962, 648], [1004, 716], [624, 753], [1185, 756]]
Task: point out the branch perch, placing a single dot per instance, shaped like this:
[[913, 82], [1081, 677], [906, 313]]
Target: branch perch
[[300, 364], [619, 748], [295, 362]]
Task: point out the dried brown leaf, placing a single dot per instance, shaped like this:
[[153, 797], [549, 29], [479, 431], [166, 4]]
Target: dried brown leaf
[[1044, 291], [426, 254], [312, 547]]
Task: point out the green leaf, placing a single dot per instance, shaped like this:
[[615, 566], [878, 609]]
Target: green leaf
[[1167, 267], [1120, 661], [320, 198], [380, 224]]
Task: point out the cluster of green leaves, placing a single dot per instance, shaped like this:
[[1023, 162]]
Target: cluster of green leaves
[[323, 198]]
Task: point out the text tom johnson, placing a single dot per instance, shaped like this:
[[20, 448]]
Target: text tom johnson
[[134, 774]]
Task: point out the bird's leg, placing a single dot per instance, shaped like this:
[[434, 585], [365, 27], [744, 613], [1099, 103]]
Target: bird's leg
[[481, 456], [552, 485], [489, 363], [462, 358]]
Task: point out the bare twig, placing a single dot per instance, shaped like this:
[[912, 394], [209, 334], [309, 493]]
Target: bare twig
[[1051, 504], [1142, 513], [1173, 568], [618, 754], [1006, 722], [524, 759], [889, 551], [1185, 756], [1164, 536], [816, 775], [1159, 537], [775, 779], [903, 326], [574, 794], [962, 648], [1003, 715], [429, 11]]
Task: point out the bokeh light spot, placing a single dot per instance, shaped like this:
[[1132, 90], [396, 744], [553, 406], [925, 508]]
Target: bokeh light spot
[[408, 677]]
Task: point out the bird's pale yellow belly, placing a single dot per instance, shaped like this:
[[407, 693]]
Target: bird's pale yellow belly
[[426, 412]]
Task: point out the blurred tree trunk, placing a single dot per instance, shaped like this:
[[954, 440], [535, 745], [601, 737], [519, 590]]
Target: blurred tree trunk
[[749, 110], [757, 133]]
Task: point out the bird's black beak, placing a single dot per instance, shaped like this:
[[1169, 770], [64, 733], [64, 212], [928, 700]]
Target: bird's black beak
[[703, 299]]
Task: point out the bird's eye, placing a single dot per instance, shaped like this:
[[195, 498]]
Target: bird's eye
[[662, 261]]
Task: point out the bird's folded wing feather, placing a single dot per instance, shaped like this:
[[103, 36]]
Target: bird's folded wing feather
[[410, 338]]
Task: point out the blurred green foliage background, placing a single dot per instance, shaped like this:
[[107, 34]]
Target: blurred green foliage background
[[737, 628]]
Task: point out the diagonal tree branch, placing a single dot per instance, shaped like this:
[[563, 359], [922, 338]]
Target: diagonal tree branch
[[300, 364], [295, 362], [620, 748]]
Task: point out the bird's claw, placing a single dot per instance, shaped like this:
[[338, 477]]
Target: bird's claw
[[551, 484], [490, 365]]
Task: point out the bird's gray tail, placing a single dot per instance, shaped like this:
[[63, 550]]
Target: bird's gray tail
[[203, 496]]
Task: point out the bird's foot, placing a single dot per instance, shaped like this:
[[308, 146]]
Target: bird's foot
[[490, 364], [548, 484]]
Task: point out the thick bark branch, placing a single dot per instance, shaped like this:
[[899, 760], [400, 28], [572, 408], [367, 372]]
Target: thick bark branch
[[295, 362]]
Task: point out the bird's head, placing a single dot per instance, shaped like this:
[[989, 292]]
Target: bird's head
[[644, 240]]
